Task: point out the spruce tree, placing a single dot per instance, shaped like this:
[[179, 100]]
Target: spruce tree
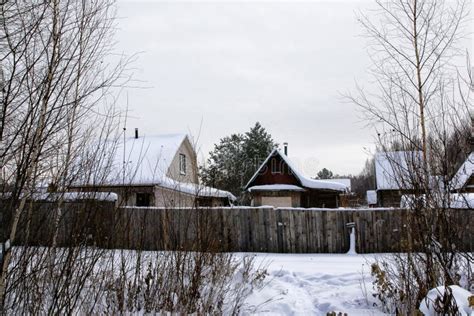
[[236, 158]]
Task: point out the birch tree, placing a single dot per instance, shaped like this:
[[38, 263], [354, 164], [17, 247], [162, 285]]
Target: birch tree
[[419, 101]]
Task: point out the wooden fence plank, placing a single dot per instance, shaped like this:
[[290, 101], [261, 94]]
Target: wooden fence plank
[[234, 229]]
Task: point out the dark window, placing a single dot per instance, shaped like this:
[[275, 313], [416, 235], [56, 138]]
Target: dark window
[[276, 166], [182, 164], [143, 199]]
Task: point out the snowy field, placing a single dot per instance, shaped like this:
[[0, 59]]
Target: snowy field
[[314, 284]]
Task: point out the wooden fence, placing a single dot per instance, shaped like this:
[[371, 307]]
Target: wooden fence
[[239, 229]]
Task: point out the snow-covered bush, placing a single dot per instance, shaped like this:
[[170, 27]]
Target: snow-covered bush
[[400, 284], [95, 281], [450, 300]]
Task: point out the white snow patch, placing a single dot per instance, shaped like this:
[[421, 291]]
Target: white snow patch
[[194, 189], [343, 181], [315, 284], [460, 295], [456, 200], [462, 200], [276, 187], [76, 196]]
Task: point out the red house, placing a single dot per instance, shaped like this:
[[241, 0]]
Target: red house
[[278, 183]]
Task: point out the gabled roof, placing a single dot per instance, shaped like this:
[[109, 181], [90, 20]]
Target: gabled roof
[[394, 170], [464, 173], [304, 181], [146, 159]]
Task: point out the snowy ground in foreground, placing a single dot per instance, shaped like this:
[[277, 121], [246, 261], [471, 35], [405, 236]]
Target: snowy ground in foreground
[[314, 284]]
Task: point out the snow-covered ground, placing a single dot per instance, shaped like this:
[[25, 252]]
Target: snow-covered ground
[[315, 284]]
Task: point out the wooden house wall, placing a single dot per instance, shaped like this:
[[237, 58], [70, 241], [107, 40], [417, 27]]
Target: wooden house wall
[[318, 198], [126, 194], [390, 198], [266, 175], [257, 197]]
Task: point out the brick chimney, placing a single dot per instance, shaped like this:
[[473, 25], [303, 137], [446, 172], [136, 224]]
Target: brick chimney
[[285, 147]]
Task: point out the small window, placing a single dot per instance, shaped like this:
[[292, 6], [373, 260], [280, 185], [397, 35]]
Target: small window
[[182, 164], [276, 166], [143, 199]]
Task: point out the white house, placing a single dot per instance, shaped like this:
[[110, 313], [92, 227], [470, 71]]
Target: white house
[[158, 170]]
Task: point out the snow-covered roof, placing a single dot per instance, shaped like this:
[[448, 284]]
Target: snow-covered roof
[[462, 200], [393, 170], [276, 187], [346, 182], [456, 200], [194, 189], [464, 173], [146, 159], [75, 196], [306, 182]]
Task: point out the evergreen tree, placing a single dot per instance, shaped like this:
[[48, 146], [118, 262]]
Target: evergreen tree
[[257, 146], [224, 165], [325, 174], [236, 158]]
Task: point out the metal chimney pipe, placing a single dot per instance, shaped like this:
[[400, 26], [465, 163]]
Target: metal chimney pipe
[[472, 131], [136, 133], [285, 147]]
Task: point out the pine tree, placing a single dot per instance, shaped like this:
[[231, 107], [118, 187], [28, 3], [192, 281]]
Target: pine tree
[[224, 164], [325, 174], [257, 146], [236, 158]]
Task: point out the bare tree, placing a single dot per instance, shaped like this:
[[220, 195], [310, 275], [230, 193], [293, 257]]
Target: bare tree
[[419, 102], [55, 75], [59, 127]]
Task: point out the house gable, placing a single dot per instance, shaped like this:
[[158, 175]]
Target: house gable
[[274, 170], [174, 171], [289, 175]]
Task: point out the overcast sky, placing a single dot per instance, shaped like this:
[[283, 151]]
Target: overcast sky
[[213, 68]]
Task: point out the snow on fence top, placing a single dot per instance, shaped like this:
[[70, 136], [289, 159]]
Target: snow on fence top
[[69, 196]]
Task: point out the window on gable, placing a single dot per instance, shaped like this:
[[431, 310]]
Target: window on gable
[[276, 166], [182, 164]]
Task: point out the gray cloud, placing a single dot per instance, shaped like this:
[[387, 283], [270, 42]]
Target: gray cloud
[[230, 64]]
